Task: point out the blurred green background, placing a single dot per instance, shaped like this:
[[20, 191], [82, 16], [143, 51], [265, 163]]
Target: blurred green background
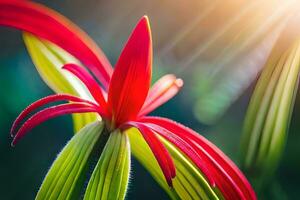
[[217, 47]]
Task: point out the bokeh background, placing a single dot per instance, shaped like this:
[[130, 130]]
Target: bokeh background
[[218, 47]]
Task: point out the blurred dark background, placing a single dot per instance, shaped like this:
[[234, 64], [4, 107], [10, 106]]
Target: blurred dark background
[[217, 47]]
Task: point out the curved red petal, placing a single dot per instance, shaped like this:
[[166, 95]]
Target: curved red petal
[[130, 81], [50, 25], [44, 101], [92, 85], [186, 148], [229, 179], [161, 154], [49, 113], [162, 91]]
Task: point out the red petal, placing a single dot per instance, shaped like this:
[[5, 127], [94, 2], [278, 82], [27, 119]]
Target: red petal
[[130, 81], [161, 154], [90, 83], [50, 25], [186, 148], [44, 101], [229, 179], [49, 113], [162, 91]]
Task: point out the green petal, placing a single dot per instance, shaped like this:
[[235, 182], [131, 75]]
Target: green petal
[[110, 177], [189, 183], [66, 176], [48, 60], [268, 116]]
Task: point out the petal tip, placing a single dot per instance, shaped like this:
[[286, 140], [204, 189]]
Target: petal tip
[[67, 66], [13, 143], [144, 23], [179, 82], [12, 130], [170, 183], [145, 20]]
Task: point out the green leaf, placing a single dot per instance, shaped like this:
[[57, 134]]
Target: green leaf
[[48, 60], [66, 176], [268, 116], [110, 177], [189, 182]]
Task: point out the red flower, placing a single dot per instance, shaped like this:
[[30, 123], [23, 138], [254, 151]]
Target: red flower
[[124, 97]]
